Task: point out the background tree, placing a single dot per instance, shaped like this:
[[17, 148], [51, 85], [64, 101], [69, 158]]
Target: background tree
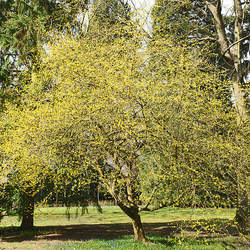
[[105, 15], [231, 48], [20, 25], [232, 51], [197, 21], [23, 29], [184, 20]]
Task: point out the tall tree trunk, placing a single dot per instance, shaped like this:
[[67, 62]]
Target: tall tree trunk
[[233, 54], [242, 203], [242, 198], [242, 209], [28, 212], [239, 102], [133, 213]]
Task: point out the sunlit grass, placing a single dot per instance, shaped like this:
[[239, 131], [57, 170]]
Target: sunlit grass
[[128, 242], [187, 238], [54, 216]]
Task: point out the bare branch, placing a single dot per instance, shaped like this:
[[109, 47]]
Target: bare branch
[[155, 208], [231, 45]]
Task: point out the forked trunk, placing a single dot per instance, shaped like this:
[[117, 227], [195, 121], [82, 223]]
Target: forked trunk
[[28, 212]]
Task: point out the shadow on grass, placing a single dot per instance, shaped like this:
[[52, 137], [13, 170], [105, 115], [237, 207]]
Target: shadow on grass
[[198, 229]]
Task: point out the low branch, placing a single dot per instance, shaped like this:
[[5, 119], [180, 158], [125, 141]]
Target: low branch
[[207, 38], [155, 208], [231, 45]]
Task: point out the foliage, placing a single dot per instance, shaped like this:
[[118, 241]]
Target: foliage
[[231, 45], [23, 30], [154, 132], [183, 19], [109, 13]]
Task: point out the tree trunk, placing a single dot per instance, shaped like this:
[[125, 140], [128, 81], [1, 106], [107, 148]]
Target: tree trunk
[[240, 103], [28, 212], [233, 54], [242, 200], [242, 213], [242, 210], [138, 229], [133, 213]]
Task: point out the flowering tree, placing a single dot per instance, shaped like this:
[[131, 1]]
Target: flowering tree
[[148, 124]]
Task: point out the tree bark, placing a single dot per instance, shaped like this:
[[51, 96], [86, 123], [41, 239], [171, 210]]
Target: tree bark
[[28, 212], [242, 212], [239, 102], [233, 53], [242, 204], [138, 229], [133, 213], [242, 209]]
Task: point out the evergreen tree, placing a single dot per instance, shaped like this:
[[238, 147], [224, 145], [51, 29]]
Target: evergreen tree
[[109, 15]]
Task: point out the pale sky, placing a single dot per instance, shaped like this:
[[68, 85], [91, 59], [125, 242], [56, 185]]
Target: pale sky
[[147, 4]]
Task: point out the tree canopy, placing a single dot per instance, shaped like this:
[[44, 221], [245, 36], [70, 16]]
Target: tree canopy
[[154, 126], [150, 130]]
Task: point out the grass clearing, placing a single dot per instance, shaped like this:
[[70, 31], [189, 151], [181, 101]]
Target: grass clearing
[[53, 216], [168, 228], [128, 242]]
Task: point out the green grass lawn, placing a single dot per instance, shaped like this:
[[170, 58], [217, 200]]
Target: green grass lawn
[[53, 216], [168, 228], [128, 242]]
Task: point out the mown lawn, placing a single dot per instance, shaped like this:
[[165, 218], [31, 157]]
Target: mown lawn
[[53, 216], [128, 242], [169, 228]]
